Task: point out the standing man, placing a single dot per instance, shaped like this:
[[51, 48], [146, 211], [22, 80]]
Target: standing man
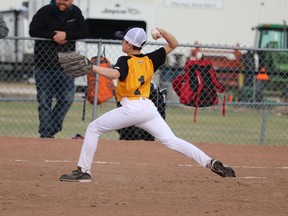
[[61, 22], [134, 73], [3, 27]]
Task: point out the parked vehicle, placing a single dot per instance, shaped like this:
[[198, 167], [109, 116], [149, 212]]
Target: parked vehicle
[[268, 59]]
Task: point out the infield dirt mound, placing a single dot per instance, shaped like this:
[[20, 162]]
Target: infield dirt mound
[[140, 178]]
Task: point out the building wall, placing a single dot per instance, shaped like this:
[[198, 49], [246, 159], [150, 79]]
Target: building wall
[[230, 23]]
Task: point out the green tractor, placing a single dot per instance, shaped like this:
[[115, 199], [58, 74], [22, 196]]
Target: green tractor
[[269, 62]]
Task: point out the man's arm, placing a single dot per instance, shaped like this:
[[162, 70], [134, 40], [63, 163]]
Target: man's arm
[[38, 28], [81, 31]]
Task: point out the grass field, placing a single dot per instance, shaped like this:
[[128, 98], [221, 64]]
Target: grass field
[[239, 126]]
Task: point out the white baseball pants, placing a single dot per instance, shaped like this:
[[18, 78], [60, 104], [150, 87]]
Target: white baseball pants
[[143, 114]]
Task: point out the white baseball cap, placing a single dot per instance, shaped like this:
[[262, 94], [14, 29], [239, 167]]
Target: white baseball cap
[[135, 36]]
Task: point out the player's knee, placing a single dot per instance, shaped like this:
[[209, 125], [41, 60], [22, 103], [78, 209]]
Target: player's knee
[[93, 128]]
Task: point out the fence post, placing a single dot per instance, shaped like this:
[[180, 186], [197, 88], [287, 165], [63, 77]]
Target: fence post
[[94, 114], [263, 126]]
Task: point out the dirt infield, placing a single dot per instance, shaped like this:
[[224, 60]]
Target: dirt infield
[[140, 178]]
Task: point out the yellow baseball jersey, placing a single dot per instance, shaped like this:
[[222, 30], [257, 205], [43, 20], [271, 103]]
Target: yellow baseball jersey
[[138, 80]]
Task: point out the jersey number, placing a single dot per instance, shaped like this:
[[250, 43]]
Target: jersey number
[[142, 81]]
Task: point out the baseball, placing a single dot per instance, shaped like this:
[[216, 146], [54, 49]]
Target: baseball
[[155, 34]]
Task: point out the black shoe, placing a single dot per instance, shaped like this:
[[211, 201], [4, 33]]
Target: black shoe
[[76, 176], [78, 136], [222, 170], [45, 136]]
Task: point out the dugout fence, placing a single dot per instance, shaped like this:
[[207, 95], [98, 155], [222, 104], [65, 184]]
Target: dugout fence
[[256, 101]]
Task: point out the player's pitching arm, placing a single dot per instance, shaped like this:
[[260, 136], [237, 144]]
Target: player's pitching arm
[[170, 39]]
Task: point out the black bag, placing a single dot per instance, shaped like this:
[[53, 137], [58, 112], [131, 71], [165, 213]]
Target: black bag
[[157, 96]]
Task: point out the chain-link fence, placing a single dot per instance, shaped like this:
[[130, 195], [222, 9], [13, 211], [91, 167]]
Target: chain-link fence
[[255, 80]]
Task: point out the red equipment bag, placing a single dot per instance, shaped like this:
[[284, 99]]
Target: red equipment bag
[[198, 86]]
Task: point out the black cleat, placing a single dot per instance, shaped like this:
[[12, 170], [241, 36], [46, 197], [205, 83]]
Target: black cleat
[[222, 170], [76, 176]]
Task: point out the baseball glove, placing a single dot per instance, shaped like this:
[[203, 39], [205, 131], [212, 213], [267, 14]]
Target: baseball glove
[[74, 64]]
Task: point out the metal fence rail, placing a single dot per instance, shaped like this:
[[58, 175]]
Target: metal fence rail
[[256, 101]]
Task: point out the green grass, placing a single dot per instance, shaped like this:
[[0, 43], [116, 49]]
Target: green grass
[[239, 126]]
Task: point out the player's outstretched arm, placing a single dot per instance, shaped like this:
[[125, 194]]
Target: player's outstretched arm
[[107, 72]]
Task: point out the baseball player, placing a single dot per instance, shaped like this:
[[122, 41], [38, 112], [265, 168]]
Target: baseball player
[[134, 72]]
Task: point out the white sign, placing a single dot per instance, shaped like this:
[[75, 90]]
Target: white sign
[[207, 4]]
